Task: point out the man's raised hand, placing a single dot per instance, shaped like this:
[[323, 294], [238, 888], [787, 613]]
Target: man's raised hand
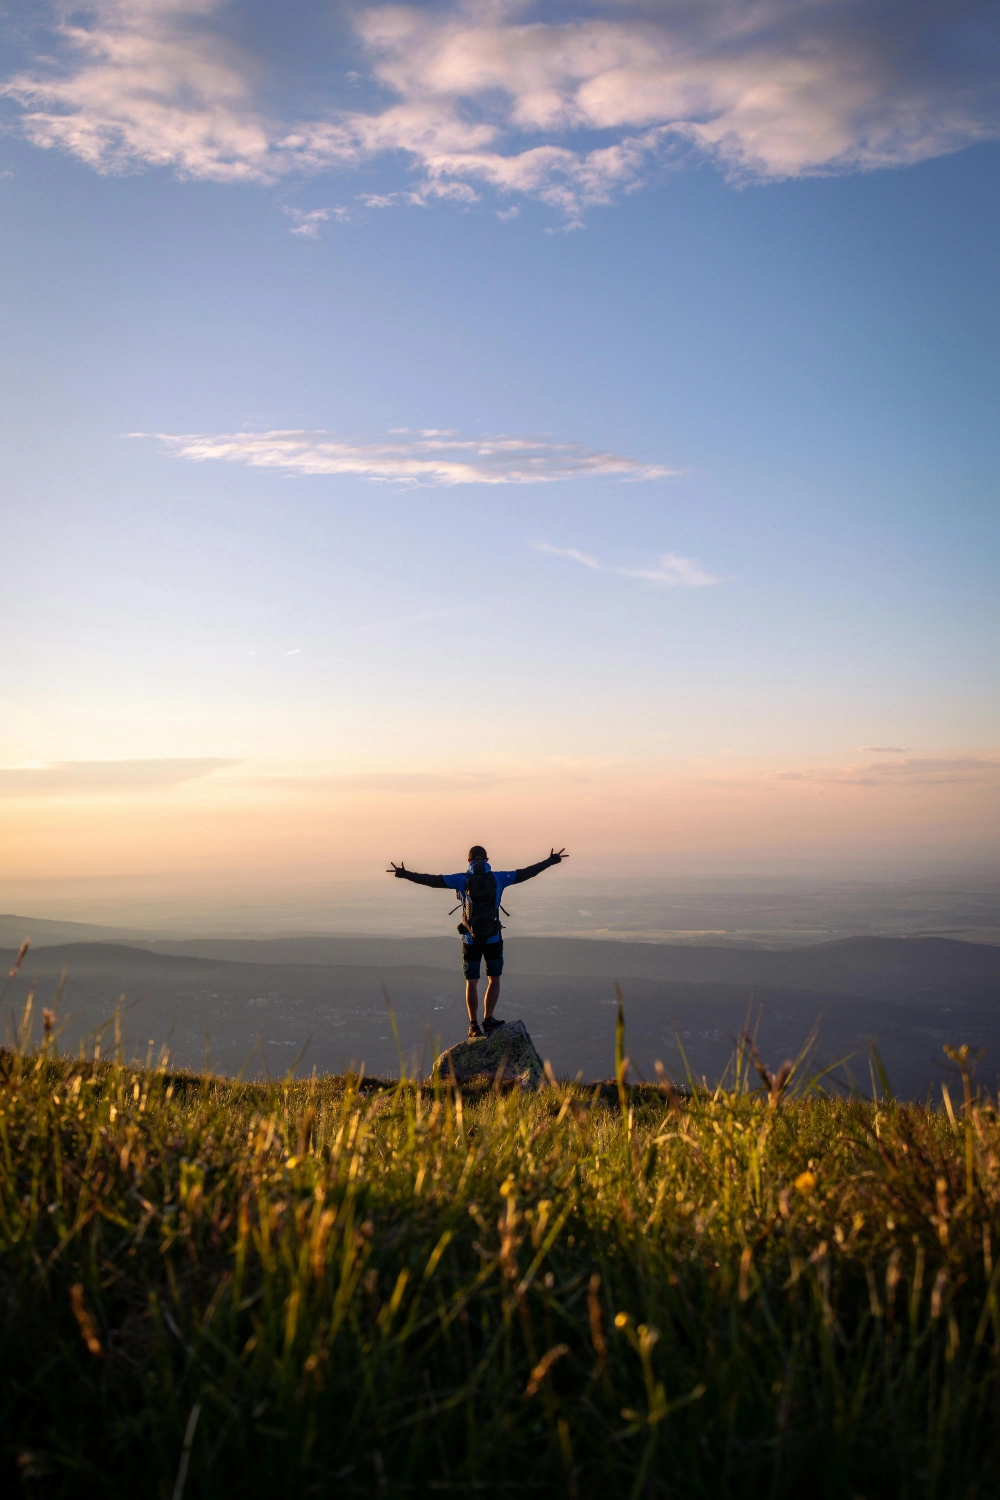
[[394, 869], [558, 854]]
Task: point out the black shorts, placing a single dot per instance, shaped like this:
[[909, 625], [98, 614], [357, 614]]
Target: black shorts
[[473, 953]]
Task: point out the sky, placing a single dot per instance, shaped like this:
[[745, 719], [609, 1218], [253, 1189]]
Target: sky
[[495, 422]]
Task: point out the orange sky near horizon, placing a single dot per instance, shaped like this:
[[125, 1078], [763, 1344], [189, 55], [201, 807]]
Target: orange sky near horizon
[[224, 824]]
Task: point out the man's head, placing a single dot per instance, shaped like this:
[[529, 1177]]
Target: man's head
[[477, 852]]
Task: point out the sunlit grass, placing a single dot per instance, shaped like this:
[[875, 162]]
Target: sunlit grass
[[334, 1286]]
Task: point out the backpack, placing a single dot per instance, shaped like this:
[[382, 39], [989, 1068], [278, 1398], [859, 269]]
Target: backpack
[[479, 907]]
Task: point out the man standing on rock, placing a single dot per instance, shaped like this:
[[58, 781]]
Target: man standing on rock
[[480, 889]]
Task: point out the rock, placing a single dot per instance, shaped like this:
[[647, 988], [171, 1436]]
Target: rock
[[510, 1048]]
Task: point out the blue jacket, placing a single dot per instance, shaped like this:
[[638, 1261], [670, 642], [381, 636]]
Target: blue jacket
[[457, 883]]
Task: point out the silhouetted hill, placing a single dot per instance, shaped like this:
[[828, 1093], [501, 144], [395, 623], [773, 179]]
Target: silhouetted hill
[[912, 996], [46, 932], [901, 969]]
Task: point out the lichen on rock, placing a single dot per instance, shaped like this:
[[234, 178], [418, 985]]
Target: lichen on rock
[[506, 1056]]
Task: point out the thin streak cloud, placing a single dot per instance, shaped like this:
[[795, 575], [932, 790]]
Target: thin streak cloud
[[430, 457], [974, 770], [581, 557], [672, 570], [511, 98], [675, 572], [397, 622], [82, 778]]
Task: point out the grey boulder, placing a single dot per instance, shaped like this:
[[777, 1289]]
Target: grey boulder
[[507, 1056]]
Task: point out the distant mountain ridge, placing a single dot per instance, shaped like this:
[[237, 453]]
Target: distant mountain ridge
[[891, 968], [911, 995], [46, 932]]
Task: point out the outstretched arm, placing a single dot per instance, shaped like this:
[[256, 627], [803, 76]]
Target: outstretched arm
[[402, 873], [543, 864]]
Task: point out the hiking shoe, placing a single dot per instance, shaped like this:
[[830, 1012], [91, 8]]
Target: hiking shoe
[[475, 1031], [492, 1024]]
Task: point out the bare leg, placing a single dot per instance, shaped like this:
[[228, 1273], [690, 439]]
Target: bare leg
[[491, 997], [472, 999]]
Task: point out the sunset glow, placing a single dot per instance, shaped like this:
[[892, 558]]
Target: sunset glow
[[483, 421]]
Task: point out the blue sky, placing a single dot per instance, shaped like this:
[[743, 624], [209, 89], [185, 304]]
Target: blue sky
[[742, 336]]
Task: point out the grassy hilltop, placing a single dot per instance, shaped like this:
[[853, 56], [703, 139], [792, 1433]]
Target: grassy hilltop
[[339, 1287]]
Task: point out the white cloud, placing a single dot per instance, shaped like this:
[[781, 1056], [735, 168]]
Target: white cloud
[[147, 83], [308, 224], [568, 104], [672, 570], [429, 457]]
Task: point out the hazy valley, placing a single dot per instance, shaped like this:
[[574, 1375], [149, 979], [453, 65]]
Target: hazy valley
[[261, 1004]]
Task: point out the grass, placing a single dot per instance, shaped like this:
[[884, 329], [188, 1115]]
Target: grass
[[341, 1287]]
